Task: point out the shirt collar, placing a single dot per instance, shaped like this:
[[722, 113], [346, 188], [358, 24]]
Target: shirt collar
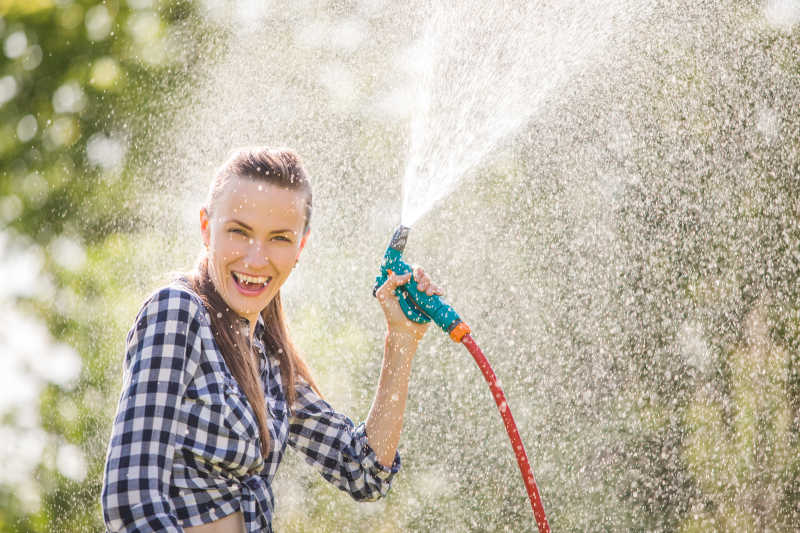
[[259, 332], [258, 343], [244, 327]]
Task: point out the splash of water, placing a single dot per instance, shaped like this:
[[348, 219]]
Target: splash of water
[[484, 70], [589, 285]]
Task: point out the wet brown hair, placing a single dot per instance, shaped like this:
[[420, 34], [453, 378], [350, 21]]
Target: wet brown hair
[[283, 168]]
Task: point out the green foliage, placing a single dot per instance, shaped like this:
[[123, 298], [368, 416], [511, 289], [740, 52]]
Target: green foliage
[[709, 244], [87, 81], [740, 446]]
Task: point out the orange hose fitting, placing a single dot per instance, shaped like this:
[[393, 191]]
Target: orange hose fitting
[[458, 332]]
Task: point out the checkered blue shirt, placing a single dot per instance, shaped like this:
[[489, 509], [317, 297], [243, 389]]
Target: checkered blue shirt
[[184, 448]]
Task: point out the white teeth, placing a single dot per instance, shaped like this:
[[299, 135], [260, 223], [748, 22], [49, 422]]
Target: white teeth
[[260, 280]]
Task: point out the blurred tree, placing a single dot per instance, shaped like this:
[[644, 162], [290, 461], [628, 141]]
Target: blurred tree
[[81, 85], [739, 446], [709, 233]]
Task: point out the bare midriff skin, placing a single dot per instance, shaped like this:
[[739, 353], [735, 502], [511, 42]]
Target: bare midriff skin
[[233, 523]]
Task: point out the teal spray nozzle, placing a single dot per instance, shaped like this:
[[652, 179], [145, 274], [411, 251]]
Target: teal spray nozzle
[[417, 306]]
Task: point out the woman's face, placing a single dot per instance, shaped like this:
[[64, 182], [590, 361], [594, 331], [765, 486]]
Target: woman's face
[[253, 233]]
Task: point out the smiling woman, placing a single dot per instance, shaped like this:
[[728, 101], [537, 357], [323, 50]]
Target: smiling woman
[[214, 389]]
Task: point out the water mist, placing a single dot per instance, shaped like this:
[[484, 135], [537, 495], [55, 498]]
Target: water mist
[[617, 188]]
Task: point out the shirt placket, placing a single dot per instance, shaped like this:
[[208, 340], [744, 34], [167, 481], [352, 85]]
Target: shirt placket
[[253, 508]]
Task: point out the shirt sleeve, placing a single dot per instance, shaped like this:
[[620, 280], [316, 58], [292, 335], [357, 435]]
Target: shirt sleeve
[[331, 443], [161, 356]]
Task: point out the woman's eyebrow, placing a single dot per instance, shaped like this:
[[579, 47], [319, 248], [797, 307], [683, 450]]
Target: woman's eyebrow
[[273, 232], [242, 224]]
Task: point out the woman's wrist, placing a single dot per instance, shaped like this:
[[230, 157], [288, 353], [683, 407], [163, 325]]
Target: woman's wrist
[[404, 335], [402, 343]]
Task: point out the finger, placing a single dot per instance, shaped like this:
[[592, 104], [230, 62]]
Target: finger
[[400, 280], [392, 282], [429, 287], [423, 284], [422, 279]]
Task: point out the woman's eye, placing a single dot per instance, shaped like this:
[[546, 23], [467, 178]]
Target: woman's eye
[[282, 238], [237, 231]]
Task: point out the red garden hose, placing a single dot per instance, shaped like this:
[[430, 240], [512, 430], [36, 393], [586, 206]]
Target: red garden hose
[[513, 434], [421, 307]]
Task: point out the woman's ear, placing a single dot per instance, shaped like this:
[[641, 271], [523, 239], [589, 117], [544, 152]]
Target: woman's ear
[[204, 229], [303, 243]]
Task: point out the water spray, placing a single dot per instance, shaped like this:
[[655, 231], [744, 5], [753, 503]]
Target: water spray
[[421, 308]]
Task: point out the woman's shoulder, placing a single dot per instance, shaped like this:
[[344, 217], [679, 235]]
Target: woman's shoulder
[[175, 301], [169, 336]]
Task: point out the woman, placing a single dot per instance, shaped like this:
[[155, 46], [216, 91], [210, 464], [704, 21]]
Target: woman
[[213, 387]]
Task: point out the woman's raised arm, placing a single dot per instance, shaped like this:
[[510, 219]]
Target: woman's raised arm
[[385, 420]]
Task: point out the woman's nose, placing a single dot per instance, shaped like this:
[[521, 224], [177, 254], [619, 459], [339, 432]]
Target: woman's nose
[[257, 256]]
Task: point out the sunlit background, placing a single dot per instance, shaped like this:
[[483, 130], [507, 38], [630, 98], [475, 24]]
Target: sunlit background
[[607, 191]]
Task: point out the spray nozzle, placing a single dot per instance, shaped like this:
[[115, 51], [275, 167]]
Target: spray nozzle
[[399, 238], [417, 306]]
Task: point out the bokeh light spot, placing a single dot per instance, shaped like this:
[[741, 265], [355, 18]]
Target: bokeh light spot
[[105, 73], [69, 98], [71, 462], [782, 14], [104, 151], [27, 128], [8, 89], [15, 44], [98, 23]]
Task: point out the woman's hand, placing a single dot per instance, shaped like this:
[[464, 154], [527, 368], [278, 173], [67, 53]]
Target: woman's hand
[[396, 321]]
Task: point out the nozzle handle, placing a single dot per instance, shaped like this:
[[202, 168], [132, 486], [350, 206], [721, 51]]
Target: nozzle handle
[[393, 264], [417, 305], [407, 296]]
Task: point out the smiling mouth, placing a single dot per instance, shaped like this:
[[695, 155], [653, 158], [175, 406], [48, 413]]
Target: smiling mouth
[[251, 284]]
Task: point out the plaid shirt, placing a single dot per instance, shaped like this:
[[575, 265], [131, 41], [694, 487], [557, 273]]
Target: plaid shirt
[[185, 448]]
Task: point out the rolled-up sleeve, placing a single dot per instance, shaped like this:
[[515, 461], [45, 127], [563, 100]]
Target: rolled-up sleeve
[[161, 356], [333, 444]]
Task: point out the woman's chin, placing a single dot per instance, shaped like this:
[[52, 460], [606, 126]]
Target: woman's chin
[[249, 307]]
